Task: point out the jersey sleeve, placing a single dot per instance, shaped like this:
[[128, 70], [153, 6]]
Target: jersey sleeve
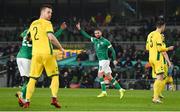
[[24, 33], [86, 35], [164, 44], [58, 33], [49, 28], [160, 46], [163, 41], [108, 44], [92, 39], [110, 47]]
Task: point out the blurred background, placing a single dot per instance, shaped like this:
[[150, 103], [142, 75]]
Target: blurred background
[[126, 23]]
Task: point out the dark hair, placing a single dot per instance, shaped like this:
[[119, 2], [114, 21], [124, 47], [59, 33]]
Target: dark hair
[[98, 29], [160, 23], [46, 6]]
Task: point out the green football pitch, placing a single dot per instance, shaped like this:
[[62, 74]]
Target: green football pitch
[[85, 100]]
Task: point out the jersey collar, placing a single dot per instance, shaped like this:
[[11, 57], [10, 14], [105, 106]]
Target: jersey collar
[[100, 38]]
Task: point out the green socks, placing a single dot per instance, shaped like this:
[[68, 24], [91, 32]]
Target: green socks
[[113, 81], [103, 86], [116, 84], [23, 90]]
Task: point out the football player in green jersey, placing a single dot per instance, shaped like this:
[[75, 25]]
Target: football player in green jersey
[[102, 46]]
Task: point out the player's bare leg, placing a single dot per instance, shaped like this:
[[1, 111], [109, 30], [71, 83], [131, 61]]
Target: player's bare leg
[[116, 85], [103, 86]]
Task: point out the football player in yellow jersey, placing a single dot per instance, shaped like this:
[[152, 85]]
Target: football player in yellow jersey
[[155, 48], [41, 33], [167, 69]]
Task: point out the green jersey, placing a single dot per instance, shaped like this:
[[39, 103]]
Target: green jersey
[[101, 46], [26, 49]]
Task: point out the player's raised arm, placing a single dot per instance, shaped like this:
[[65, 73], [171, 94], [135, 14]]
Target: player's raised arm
[[59, 32], [54, 41], [78, 26]]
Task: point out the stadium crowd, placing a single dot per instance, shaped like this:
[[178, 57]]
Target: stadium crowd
[[119, 32], [130, 66], [130, 59]]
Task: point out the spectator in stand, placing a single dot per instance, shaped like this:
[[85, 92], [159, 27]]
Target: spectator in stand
[[128, 66], [92, 21], [82, 56], [92, 55], [99, 19], [87, 81], [78, 72], [11, 71], [108, 19], [93, 72], [65, 77], [138, 69]]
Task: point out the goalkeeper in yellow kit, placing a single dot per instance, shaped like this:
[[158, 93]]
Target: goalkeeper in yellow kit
[[155, 47]]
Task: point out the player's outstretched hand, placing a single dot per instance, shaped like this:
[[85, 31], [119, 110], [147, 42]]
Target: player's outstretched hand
[[63, 51], [78, 26], [171, 48], [63, 26]]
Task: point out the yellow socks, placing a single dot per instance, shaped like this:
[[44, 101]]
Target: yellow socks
[[158, 85], [54, 86], [30, 88], [170, 80], [163, 83]]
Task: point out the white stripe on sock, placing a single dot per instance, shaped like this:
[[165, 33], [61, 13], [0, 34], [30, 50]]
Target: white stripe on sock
[[102, 82]]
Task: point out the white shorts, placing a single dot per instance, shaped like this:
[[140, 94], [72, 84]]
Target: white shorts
[[24, 66], [104, 66]]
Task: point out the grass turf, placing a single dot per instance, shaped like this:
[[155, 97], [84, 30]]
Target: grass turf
[[85, 100]]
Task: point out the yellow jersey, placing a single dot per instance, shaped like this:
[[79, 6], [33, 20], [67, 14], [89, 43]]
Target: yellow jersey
[[155, 46], [38, 32]]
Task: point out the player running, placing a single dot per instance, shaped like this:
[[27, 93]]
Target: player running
[[102, 46], [41, 33], [155, 47], [24, 60]]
